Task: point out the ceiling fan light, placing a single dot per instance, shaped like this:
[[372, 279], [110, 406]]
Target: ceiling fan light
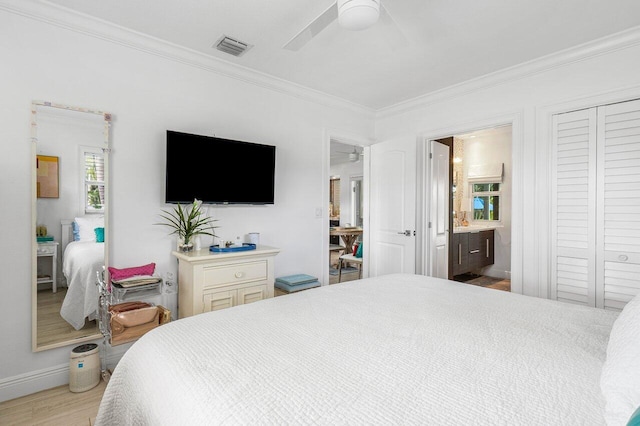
[[358, 14]]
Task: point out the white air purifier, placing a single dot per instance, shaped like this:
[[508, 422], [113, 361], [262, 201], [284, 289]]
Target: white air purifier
[[84, 367]]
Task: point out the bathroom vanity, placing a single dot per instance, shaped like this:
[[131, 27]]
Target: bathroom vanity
[[472, 248]]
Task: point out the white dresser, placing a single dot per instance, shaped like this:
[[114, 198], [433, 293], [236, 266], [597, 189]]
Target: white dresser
[[210, 281]]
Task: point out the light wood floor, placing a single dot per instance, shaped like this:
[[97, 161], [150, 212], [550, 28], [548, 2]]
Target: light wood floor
[[57, 406], [52, 327]]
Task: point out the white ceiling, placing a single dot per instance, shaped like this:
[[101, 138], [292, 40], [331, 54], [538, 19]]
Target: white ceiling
[[449, 41]]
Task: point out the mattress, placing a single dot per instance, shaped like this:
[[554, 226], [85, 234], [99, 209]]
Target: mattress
[[396, 349]]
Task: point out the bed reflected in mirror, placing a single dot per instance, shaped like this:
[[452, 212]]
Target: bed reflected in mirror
[[69, 212]]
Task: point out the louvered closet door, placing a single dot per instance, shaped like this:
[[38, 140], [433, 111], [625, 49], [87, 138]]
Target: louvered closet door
[[618, 212], [573, 213]]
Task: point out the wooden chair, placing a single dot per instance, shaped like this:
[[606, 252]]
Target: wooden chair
[[332, 248], [346, 259]]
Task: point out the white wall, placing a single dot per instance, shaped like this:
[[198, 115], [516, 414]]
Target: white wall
[[525, 97], [148, 94]]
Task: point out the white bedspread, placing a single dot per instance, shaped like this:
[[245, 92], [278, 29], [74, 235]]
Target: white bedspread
[[81, 260], [398, 349]]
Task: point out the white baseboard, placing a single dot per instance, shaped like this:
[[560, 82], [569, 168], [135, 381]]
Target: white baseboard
[[47, 378], [33, 381]]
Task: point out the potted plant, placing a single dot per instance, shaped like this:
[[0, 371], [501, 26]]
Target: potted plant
[[187, 223]]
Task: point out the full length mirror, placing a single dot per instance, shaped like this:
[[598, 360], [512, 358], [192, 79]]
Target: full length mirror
[[70, 209]]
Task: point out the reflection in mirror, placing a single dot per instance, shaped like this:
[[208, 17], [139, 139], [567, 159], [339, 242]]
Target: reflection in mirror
[[357, 214], [69, 211]]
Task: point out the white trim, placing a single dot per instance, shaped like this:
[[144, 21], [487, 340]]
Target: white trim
[[87, 25], [518, 211], [423, 237], [84, 24], [47, 378], [33, 381]]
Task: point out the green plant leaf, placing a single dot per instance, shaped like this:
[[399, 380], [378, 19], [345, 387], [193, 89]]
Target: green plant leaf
[[188, 222]]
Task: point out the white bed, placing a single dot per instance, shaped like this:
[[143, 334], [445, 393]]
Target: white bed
[[397, 349], [80, 262]]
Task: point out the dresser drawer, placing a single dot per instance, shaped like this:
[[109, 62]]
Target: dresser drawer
[[44, 249], [234, 274]]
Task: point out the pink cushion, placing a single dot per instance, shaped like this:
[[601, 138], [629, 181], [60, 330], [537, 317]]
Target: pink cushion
[[121, 274]]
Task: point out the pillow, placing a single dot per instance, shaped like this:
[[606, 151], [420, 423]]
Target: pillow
[[76, 231], [87, 225], [355, 248], [359, 252], [635, 418], [621, 370], [99, 235], [120, 274]]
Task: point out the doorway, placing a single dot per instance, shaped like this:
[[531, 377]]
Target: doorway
[[346, 206], [479, 205]]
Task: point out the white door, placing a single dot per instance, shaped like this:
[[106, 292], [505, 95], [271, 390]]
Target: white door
[[618, 204], [392, 208], [439, 162], [573, 200], [596, 205]]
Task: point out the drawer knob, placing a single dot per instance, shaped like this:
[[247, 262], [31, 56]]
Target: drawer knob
[[623, 258], [239, 274]]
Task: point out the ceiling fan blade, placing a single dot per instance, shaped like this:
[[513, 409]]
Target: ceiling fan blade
[[313, 29], [398, 37]]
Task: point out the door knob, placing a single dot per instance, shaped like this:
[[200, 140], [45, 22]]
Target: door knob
[[406, 233]]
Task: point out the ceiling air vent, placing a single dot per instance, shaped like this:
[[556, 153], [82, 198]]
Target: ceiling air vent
[[232, 46]]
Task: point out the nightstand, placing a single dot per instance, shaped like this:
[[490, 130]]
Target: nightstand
[[48, 252]]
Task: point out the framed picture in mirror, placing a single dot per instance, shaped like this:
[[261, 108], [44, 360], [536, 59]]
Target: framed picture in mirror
[[47, 173]]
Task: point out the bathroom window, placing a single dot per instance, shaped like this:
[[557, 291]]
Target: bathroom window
[[486, 201]]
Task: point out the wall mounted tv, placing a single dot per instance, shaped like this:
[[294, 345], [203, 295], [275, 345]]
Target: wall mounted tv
[[218, 171]]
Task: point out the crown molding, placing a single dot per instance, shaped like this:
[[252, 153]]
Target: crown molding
[[604, 45], [43, 11]]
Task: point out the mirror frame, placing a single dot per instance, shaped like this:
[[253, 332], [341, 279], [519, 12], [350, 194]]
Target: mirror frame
[[34, 245]]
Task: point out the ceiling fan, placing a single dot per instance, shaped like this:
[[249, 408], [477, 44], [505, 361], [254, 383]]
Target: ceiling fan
[[351, 14], [354, 156]]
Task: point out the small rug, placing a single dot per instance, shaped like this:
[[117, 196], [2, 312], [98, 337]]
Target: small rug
[[345, 270]]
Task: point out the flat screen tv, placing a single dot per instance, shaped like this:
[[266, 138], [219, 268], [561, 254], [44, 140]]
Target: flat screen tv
[[218, 171]]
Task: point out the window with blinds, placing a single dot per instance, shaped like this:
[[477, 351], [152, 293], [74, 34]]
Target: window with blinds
[[93, 186]]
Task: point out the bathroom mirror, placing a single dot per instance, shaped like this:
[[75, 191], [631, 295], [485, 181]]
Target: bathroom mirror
[[70, 210]]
